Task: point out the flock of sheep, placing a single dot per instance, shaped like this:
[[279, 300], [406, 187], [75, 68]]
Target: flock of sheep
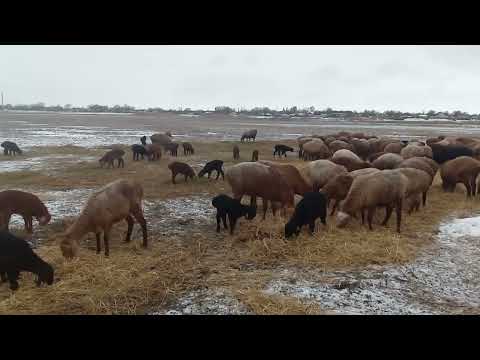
[[354, 172]]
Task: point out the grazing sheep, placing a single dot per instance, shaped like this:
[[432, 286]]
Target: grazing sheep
[[161, 139], [301, 141], [256, 179], [385, 188], [444, 153], [337, 188], [172, 148], [310, 208], [394, 147], [138, 150], [250, 134], [255, 155], [211, 166], [410, 151], [349, 160], [111, 156], [338, 145], [24, 204], [419, 182], [188, 149], [178, 167], [361, 147], [226, 205], [153, 152], [463, 169], [281, 150], [387, 161], [315, 149], [117, 201], [236, 153], [143, 140], [292, 176], [419, 163], [319, 172], [17, 256], [10, 148]]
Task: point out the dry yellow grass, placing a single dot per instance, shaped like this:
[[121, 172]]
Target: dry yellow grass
[[134, 280]]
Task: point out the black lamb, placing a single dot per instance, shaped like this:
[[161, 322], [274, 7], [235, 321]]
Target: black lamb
[[138, 150], [444, 153], [211, 166], [16, 255], [281, 150], [226, 205], [312, 206]]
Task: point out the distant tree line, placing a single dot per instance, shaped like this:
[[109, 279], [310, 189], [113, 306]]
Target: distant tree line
[[256, 111]]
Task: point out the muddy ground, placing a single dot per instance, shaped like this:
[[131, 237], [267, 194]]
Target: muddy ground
[[442, 279]]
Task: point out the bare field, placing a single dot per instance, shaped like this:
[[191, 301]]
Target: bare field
[[190, 269]]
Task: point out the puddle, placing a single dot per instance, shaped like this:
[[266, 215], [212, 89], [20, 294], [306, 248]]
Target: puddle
[[206, 302], [443, 280], [42, 162]]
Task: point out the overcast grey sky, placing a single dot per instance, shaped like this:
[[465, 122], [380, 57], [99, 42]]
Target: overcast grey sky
[[409, 78]]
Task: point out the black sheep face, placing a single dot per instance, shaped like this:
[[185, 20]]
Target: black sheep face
[[45, 275], [291, 229], [251, 213], [201, 173]]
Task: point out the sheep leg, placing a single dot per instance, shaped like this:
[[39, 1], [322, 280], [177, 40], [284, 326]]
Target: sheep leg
[[173, 178], [265, 207], [311, 226], [12, 278], [130, 222], [469, 190], [389, 209], [224, 220], [218, 221], [363, 216], [371, 212], [106, 239], [138, 215], [399, 214], [99, 243], [232, 220], [3, 276], [186, 177], [473, 183], [334, 207]]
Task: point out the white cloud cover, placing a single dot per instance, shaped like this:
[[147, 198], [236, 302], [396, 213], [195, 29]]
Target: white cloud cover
[[408, 78]]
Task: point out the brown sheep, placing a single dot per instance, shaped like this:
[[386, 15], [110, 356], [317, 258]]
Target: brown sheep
[[178, 167], [329, 139], [463, 169], [337, 188], [117, 201], [419, 181], [371, 158], [172, 148], [385, 188], [431, 141], [420, 164], [236, 152], [161, 139], [338, 145], [188, 148], [410, 151], [394, 147], [315, 149], [301, 141], [111, 156], [374, 145], [387, 161], [292, 176], [24, 204], [256, 179], [319, 172], [349, 160], [361, 147], [249, 134], [153, 151], [255, 155]]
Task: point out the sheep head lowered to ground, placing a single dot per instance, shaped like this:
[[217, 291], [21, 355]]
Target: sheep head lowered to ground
[[117, 201], [259, 180], [384, 188]]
